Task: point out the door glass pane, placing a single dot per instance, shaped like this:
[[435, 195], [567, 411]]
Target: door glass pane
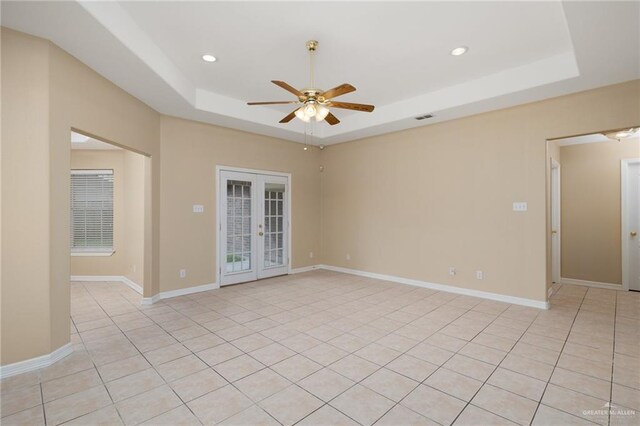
[[238, 226], [273, 220]]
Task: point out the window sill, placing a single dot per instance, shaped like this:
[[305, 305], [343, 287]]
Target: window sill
[[92, 254]]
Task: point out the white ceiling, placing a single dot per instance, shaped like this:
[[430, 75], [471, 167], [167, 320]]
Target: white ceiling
[[395, 53], [79, 141]]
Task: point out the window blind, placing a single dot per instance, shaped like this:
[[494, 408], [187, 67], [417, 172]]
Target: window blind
[[92, 211]]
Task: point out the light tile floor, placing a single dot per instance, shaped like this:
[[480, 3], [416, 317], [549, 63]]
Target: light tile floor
[[324, 348]]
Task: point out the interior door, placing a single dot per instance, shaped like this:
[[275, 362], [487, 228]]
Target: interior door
[[254, 226], [633, 225], [237, 227], [273, 256], [555, 221]]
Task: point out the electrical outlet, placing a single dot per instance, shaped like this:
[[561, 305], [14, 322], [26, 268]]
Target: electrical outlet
[[198, 208], [310, 255], [183, 273], [452, 270], [348, 256], [479, 275], [134, 268], [520, 206]]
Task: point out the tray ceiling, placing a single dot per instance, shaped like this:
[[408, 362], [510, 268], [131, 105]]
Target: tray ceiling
[[395, 53]]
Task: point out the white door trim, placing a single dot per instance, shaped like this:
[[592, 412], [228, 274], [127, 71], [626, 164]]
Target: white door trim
[[220, 168], [556, 245], [624, 228], [253, 171]]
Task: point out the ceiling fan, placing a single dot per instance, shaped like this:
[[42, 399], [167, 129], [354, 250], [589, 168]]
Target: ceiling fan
[[315, 102]]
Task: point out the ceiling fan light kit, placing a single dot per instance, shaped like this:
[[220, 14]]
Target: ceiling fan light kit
[[623, 134], [316, 103]]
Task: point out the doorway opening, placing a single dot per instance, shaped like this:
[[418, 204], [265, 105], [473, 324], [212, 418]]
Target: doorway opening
[[594, 210], [630, 208], [109, 214], [253, 211]]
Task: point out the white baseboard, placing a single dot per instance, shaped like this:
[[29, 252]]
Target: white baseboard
[[35, 363], [188, 290], [179, 292], [118, 278], [439, 287], [443, 287], [92, 278], [595, 284], [150, 300], [136, 287], [304, 269]]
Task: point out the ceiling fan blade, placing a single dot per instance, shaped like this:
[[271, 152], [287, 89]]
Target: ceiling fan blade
[[288, 88], [289, 117], [343, 89], [272, 103], [349, 105], [331, 119]]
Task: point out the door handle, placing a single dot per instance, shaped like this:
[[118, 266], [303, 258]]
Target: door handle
[[261, 233], [553, 231], [633, 233]]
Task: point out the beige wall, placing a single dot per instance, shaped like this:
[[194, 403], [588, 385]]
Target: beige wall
[[50, 92], [25, 312], [191, 151], [128, 214], [590, 188], [83, 100], [415, 202], [410, 203], [134, 214]]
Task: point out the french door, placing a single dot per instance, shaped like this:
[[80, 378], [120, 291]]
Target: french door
[[254, 226]]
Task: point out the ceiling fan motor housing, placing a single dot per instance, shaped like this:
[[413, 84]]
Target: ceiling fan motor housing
[[316, 102]]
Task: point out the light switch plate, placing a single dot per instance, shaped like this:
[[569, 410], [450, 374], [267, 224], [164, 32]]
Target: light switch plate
[[520, 206], [198, 208]]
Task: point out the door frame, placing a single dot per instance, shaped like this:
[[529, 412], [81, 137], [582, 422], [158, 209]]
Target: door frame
[[624, 222], [220, 168], [556, 216]]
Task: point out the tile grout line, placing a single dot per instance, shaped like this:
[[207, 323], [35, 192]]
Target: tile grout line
[[354, 354], [95, 367], [139, 352], [44, 413], [355, 383], [304, 307], [423, 341], [388, 333], [557, 360], [439, 366], [494, 370], [613, 356]]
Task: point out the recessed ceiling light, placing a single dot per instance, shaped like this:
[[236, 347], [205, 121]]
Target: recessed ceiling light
[[459, 51], [208, 58]]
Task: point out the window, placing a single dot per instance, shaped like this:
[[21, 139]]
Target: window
[[92, 212]]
